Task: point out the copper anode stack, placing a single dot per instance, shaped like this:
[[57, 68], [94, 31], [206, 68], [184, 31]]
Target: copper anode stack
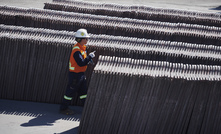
[[156, 70]]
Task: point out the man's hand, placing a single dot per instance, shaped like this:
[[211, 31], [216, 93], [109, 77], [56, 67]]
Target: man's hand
[[92, 55]]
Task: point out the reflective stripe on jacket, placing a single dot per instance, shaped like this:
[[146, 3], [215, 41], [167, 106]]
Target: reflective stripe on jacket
[[73, 66]]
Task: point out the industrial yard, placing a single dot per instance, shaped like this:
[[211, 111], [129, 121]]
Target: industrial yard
[[157, 67]]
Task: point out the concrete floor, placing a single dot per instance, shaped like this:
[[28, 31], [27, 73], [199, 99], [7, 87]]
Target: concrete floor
[[19, 117]]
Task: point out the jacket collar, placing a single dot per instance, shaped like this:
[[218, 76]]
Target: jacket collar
[[81, 47]]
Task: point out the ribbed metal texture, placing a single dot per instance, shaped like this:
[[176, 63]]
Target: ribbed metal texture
[[97, 24], [33, 64], [136, 12], [139, 96], [36, 60], [157, 75]]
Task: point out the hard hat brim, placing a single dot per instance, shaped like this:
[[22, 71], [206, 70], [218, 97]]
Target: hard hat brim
[[87, 36]]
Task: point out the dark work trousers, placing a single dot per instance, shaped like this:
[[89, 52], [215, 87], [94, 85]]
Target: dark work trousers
[[76, 84]]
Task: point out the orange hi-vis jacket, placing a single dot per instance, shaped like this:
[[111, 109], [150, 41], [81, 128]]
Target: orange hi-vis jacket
[[73, 66]]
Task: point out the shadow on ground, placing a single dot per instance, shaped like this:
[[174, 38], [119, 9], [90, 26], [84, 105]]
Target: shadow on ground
[[43, 114], [216, 8], [49, 119]]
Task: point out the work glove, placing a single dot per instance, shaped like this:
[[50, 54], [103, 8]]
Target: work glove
[[92, 55]]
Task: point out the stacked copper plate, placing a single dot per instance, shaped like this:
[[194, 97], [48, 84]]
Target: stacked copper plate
[[37, 47], [141, 96], [98, 24], [136, 12], [156, 70]]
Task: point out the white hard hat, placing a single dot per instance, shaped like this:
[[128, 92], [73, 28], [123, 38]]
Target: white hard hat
[[82, 33]]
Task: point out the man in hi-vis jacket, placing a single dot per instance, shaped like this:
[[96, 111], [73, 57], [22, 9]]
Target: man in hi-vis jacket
[[77, 66]]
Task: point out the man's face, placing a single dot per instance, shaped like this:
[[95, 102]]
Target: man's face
[[84, 41]]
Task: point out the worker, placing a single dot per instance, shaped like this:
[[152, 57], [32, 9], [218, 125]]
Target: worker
[[77, 66]]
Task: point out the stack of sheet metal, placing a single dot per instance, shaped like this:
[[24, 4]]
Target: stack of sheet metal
[[34, 63], [36, 60], [97, 24], [136, 12], [177, 52], [139, 96], [157, 75]]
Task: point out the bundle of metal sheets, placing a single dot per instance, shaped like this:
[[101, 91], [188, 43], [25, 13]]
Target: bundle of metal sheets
[[36, 60], [97, 24], [139, 96], [177, 52], [34, 63], [136, 12], [153, 77], [158, 50]]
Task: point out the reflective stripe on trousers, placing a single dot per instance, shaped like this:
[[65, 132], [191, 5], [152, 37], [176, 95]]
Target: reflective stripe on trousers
[[83, 96], [67, 98]]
